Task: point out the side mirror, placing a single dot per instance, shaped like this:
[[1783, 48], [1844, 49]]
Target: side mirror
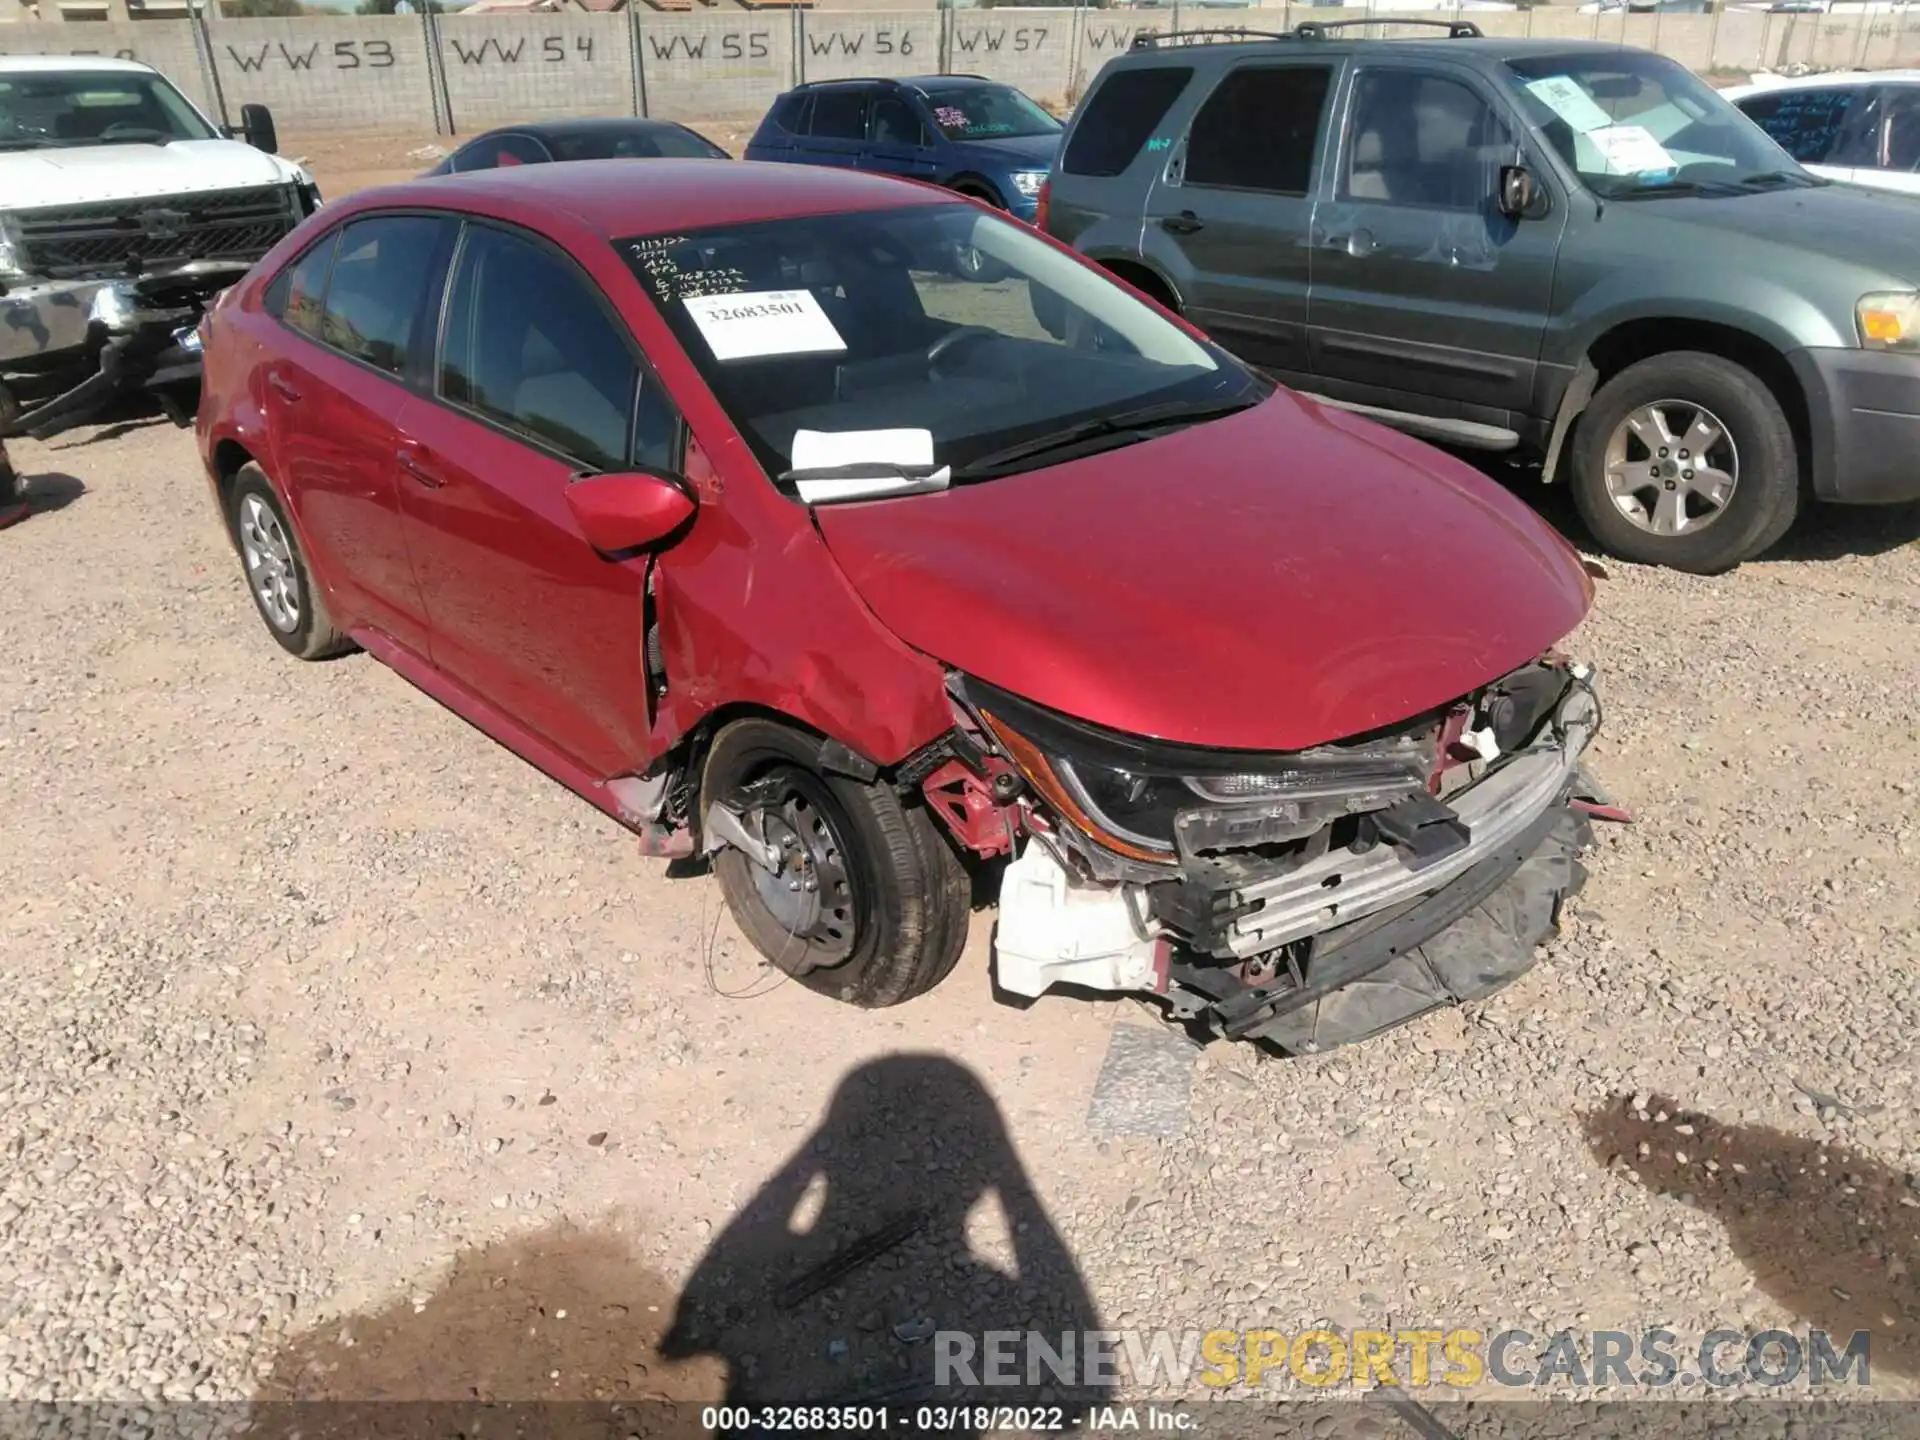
[[1519, 193], [631, 511], [256, 125]]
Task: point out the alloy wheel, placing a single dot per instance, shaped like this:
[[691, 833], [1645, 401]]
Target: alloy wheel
[[1672, 467], [269, 562]]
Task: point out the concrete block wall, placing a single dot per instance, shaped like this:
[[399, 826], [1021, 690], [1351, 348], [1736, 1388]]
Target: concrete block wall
[[168, 46], [320, 73], [699, 66], [503, 68], [460, 74]]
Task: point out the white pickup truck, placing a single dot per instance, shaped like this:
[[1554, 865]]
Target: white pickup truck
[[122, 208]]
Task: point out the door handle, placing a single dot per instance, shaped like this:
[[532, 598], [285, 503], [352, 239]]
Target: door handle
[[1359, 244], [1185, 223], [285, 387], [409, 458]]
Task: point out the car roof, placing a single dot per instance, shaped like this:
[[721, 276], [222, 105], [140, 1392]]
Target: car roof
[[28, 64], [598, 125], [1496, 48], [917, 82], [613, 198], [1831, 80]]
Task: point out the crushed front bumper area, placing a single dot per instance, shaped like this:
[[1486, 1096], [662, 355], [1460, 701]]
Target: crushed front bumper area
[[1439, 899], [70, 348]]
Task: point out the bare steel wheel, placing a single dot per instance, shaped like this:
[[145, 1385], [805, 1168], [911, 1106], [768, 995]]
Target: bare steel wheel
[[846, 885], [1672, 467], [807, 892], [1687, 460]]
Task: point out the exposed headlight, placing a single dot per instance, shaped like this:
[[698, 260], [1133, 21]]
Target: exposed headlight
[[1149, 802], [1889, 320], [113, 307], [1028, 182]]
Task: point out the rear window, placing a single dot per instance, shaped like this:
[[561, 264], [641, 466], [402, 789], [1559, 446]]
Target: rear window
[[1260, 129], [1805, 123], [789, 113], [1120, 116]]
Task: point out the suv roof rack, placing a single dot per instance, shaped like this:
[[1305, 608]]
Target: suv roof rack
[[1456, 29], [1152, 39], [1305, 30]]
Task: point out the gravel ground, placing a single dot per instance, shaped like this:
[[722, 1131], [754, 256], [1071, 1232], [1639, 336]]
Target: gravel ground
[[345, 1055]]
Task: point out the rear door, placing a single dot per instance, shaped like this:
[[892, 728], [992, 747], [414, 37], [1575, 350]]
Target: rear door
[[1234, 204], [538, 380], [1116, 140], [1425, 297], [897, 141], [836, 130], [352, 308]]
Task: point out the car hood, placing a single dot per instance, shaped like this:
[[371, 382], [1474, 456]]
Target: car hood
[[30, 179], [1031, 152], [1285, 577], [1878, 230]]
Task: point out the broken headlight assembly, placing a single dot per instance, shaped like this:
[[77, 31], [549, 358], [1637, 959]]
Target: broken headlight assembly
[[1153, 803]]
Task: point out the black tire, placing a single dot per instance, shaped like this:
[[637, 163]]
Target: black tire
[[310, 634], [1484, 950], [1766, 494], [909, 891]]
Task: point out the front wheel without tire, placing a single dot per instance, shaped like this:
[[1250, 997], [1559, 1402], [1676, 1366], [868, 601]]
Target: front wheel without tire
[[1686, 460], [277, 576], [854, 894]]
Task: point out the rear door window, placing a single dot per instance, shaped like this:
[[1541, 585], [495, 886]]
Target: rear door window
[[296, 294], [1259, 130], [840, 115], [502, 150], [1120, 117], [378, 290], [1807, 124]]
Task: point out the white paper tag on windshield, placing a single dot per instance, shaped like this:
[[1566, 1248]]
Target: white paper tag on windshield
[[758, 323], [1630, 150], [825, 449], [1562, 95]]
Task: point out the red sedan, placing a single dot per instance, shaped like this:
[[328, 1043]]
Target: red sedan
[[727, 501]]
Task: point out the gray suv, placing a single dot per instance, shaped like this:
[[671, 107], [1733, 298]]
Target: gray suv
[[1571, 252]]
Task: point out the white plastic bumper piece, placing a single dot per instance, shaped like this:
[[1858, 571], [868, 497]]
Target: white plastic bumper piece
[[1053, 931]]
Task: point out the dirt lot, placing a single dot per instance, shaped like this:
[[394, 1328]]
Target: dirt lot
[[345, 1055]]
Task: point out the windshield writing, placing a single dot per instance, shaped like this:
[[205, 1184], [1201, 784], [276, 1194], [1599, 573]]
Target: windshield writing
[[954, 334], [1632, 123], [988, 112]]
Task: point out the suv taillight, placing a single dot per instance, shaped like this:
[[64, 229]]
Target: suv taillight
[[1040, 205]]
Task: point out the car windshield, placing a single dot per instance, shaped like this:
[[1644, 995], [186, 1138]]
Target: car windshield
[[658, 142], [44, 109], [1634, 124], [935, 329], [986, 112]]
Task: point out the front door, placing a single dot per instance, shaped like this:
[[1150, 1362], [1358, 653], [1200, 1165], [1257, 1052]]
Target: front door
[[537, 381], [897, 143], [1425, 297], [347, 314], [1231, 211]]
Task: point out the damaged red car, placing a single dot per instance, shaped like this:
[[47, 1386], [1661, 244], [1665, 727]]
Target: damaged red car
[[747, 504]]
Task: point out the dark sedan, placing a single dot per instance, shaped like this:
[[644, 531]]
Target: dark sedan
[[561, 140]]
